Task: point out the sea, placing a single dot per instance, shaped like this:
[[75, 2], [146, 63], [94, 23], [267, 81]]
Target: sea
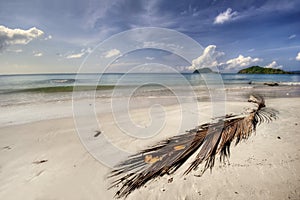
[[34, 88]]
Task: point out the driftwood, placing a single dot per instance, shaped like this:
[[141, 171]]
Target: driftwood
[[207, 139], [40, 161], [97, 133]]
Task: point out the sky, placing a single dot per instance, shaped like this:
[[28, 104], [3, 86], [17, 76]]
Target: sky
[[58, 36]]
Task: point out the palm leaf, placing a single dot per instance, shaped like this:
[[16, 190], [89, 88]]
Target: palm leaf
[[209, 139]]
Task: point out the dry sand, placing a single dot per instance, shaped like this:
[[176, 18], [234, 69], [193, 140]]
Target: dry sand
[[42, 157]]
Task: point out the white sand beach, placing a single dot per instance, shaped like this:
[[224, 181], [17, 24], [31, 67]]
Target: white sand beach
[[149, 100], [42, 157]]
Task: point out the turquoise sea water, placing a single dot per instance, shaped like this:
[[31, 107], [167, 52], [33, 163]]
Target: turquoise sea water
[[16, 89]]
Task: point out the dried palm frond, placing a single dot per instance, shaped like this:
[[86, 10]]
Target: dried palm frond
[[210, 139]]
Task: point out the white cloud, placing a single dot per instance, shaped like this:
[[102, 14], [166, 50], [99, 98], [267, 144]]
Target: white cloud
[[79, 55], [76, 55], [88, 50], [10, 37], [225, 16], [292, 36], [111, 53], [38, 54], [298, 57], [49, 37], [273, 65], [207, 59], [239, 62], [149, 58], [210, 58]]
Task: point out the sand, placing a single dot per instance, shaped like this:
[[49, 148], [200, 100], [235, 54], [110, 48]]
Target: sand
[[42, 157]]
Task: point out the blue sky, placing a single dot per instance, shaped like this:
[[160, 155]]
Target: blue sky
[[55, 36]]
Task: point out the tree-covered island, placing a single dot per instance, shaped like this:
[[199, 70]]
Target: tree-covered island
[[262, 70]]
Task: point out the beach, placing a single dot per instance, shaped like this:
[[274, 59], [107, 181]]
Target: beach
[[149, 100], [43, 157]]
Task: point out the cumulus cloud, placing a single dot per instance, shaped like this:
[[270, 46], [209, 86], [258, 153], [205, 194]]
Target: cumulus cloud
[[225, 16], [298, 57], [10, 37], [239, 62], [207, 59], [111, 53], [210, 59], [273, 65]]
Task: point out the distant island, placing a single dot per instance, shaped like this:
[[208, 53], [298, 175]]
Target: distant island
[[203, 71], [262, 70]]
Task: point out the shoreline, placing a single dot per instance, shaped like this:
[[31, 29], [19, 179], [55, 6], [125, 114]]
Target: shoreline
[[202, 93], [28, 112], [13, 114]]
